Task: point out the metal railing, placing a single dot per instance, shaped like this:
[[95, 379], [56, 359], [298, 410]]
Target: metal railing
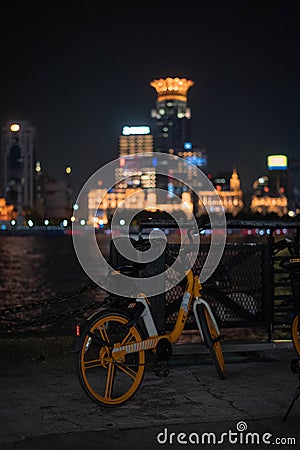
[[245, 289]]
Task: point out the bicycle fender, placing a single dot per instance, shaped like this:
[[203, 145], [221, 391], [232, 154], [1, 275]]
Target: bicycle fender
[[82, 326]]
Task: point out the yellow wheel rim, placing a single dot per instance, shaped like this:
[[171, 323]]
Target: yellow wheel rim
[[217, 345], [106, 372], [295, 335]]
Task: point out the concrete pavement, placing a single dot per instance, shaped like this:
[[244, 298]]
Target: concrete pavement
[[43, 405]]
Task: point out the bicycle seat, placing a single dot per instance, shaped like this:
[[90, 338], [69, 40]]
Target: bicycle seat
[[130, 269]]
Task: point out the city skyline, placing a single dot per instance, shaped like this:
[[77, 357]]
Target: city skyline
[[85, 75]]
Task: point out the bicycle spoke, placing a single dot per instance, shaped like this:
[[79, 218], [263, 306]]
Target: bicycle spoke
[[131, 373], [109, 380], [103, 333], [128, 338], [93, 363]]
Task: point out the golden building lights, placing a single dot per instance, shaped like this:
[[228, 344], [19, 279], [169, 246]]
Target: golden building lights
[[172, 88]]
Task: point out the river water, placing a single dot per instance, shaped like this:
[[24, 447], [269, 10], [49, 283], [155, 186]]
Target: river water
[[35, 268]]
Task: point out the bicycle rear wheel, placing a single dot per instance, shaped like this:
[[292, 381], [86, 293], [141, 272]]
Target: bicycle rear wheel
[[104, 380], [211, 340], [295, 334]]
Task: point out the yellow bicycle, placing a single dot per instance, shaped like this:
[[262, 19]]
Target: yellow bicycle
[[116, 343], [291, 264]]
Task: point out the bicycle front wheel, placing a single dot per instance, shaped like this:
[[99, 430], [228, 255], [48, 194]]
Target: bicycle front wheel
[[211, 340], [104, 380], [295, 335]]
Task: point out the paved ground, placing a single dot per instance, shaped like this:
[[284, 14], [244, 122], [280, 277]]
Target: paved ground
[[43, 405]]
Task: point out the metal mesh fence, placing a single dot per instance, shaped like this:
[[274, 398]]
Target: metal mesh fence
[[235, 291]]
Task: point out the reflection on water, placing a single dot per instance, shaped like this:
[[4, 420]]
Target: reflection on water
[[33, 268]]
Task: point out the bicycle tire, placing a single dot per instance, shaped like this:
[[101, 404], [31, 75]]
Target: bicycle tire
[[295, 334], [210, 336], [105, 381]]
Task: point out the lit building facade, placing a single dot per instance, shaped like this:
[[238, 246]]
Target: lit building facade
[[277, 173], [18, 152], [131, 174], [230, 194], [135, 139], [268, 205], [171, 116], [269, 194], [7, 212], [102, 204]]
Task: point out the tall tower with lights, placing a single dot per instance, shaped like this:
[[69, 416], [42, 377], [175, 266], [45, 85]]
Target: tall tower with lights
[[172, 129], [18, 150], [171, 116]]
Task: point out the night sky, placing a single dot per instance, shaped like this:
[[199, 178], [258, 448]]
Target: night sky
[[79, 74]]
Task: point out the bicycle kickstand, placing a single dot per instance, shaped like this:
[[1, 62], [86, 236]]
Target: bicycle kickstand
[[296, 396]]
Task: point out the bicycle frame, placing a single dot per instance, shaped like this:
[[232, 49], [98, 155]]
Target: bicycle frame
[[190, 297]]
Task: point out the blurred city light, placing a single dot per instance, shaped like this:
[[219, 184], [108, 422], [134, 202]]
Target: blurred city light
[[14, 127]]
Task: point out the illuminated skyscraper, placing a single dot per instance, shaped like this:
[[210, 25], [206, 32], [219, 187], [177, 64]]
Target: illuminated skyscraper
[[137, 139], [171, 116], [131, 172], [18, 148], [172, 129]]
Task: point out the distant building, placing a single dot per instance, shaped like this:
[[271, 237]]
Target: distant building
[[132, 173], [53, 198], [18, 153], [230, 193], [171, 116], [264, 202], [7, 212], [135, 139], [102, 204], [270, 190], [277, 174], [268, 205]]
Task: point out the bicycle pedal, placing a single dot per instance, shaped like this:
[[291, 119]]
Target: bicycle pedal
[[161, 368], [295, 366]]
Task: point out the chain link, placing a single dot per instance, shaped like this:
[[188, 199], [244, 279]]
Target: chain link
[[46, 302], [7, 313], [51, 319]]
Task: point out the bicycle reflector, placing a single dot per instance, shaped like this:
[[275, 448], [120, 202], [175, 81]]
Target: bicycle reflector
[[77, 330]]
